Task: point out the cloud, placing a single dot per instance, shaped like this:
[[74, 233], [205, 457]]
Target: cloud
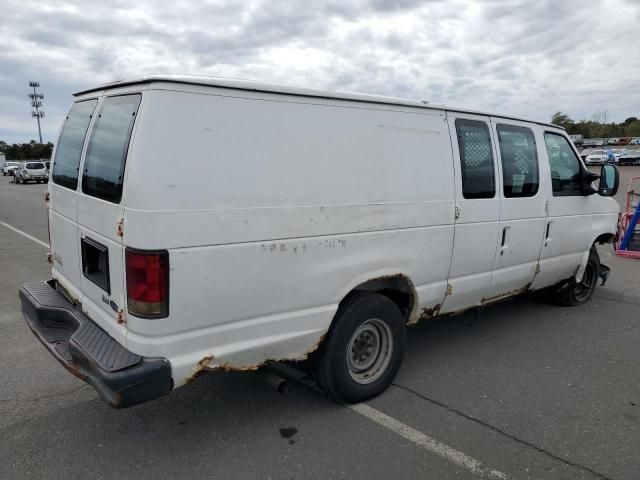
[[519, 57]]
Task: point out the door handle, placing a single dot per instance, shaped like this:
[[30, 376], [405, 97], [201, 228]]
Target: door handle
[[546, 236], [503, 243]]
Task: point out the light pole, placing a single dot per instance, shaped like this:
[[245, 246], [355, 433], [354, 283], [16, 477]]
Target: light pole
[[36, 103]]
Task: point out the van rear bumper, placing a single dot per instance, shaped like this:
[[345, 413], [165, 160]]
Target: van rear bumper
[[120, 377]]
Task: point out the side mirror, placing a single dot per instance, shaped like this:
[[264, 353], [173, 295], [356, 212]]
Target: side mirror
[[587, 179], [609, 181]]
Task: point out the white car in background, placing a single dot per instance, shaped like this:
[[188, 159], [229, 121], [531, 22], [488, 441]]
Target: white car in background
[[600, 157], [31, 171], [596, 157], [9, 168]]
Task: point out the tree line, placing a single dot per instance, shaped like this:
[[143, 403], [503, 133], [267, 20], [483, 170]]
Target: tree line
[[26, 151], [596, 128]]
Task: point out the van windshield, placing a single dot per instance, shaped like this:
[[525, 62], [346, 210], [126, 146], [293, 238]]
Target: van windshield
[[107, 148], [69, 150]]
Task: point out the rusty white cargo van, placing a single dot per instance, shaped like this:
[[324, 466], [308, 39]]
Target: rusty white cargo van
[[297, 222]]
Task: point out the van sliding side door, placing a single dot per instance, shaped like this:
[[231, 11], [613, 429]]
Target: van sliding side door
[[478, 211]]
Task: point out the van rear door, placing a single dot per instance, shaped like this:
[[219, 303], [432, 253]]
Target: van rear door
[[63, 199], [100, 209]]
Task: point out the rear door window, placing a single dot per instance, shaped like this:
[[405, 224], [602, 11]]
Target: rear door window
[[476, 159], [107, 149], [67, 160], [519, 161], [35, 166]]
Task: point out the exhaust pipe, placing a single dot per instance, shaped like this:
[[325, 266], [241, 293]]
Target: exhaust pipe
[[278, 383]]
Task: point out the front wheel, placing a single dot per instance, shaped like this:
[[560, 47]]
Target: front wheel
[[579, 293], [364, 348]]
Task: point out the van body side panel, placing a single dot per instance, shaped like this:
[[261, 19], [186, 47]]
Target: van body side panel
[[250, 302], [280, 210]]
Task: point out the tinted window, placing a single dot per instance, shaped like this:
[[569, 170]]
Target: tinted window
[[519, 161], [476, 159], [69, 150], [107, 149], [35, 166], [564, 165]]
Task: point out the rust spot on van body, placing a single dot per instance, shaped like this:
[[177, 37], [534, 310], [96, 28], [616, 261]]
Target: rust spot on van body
[[427, 313], [205, 366], [503, 296]]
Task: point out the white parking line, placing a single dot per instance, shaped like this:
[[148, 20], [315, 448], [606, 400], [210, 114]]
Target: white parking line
[[396, 426], [24, 234], [428, 443]]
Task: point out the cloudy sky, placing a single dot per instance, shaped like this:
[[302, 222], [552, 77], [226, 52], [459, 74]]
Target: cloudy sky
[[524, 57]]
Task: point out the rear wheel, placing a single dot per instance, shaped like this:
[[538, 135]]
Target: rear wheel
[[579, 293], [364, 348]]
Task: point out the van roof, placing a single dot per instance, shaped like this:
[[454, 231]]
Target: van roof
[[293, 90]]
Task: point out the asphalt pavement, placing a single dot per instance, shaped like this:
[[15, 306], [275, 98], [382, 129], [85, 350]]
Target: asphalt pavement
[[519, 390]]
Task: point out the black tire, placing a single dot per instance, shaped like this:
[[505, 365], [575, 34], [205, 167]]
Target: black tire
[[573, 294], [351, 339]]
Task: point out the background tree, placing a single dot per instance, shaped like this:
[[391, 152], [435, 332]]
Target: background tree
[[27, 151], [596, 128], [562, 120]]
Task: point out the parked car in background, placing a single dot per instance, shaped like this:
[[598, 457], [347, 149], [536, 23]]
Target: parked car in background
[[630, 157], [31, 171], [600, 157], [635, 141], [596, 157], [9, 168]]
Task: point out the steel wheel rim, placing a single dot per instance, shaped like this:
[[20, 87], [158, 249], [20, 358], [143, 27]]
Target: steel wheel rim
[[582, 289], [369, 351]]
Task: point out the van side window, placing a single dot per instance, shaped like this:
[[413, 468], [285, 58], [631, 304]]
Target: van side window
[[519, 161], [107, 149], [67, 160], [564, 165], [476, 159]]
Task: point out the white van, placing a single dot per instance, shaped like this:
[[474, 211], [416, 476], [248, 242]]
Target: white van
[[299, 222]]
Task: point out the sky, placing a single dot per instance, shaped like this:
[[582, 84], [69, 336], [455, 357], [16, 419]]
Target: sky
[[519, 57]]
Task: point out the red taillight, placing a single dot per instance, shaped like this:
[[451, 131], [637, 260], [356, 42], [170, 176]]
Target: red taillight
[[147, 283]]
